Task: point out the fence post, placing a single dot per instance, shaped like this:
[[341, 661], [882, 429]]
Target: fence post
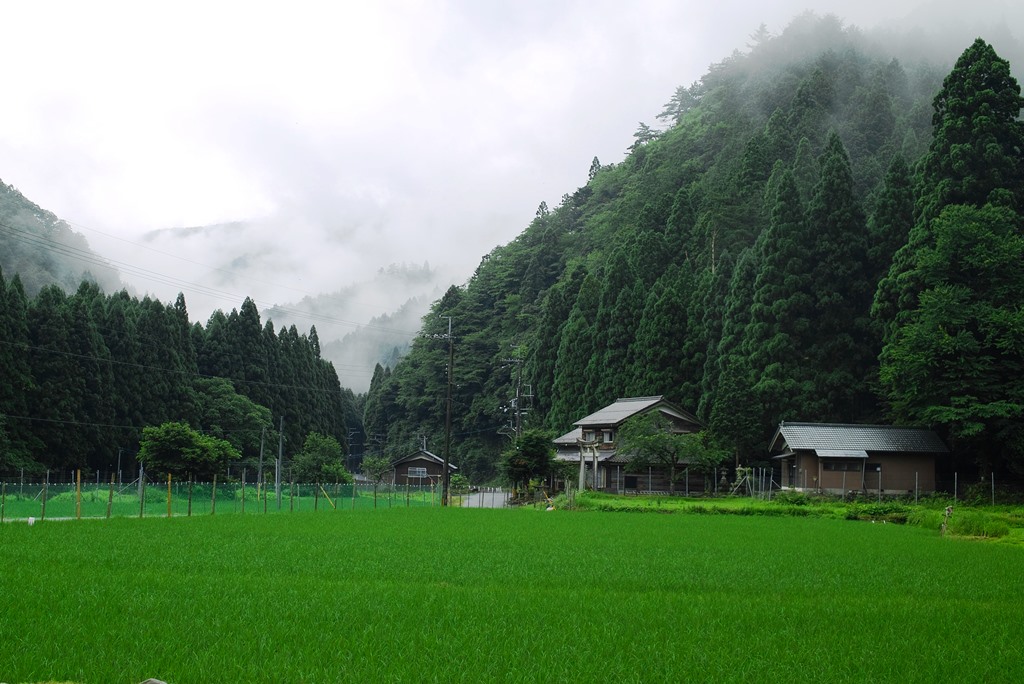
[[3, 500], [353, 494], [213, 496], [316, 497], [46, 485], [78, 494], [243, 492], [993, 474], [189, 495], [110, 497], [168, 495], [955, 477]]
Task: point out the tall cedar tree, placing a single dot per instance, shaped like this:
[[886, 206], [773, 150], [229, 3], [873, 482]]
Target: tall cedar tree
[[976, 156], [781, 331], [733, 410], [841, 289], [953, 293], [16, 370]]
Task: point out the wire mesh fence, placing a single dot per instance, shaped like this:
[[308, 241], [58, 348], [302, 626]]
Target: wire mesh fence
[[68, 500]]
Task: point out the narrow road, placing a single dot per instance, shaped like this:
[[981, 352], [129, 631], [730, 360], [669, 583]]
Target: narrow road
[[486, 498]]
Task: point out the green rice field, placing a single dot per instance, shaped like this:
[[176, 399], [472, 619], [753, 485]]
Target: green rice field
[[424, 594]]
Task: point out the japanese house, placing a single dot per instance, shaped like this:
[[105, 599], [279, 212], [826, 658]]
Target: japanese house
[[591, 444]]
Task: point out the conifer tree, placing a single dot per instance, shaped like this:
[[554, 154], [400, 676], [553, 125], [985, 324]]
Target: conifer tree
[[841, 288], [16, 371], [953, 293], [732, 410], [976, 157], [570, 400], [655, 357], [781, 330], [893, 218]]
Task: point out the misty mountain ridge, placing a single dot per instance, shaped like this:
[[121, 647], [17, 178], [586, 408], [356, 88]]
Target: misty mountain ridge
[[43, 249], [382, 339]]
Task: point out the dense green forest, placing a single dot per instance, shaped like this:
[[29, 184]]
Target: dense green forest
[[85, 373], [816, 231], [819, 233]]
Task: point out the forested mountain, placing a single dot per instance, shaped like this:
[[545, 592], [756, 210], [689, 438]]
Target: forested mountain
[[84, 373], [44, 250], [741, 263]]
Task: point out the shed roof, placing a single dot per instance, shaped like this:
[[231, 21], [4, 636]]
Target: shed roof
[[845, 436], [425, 455]]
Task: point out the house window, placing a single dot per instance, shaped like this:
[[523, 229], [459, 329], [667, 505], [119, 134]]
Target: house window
[[416, 471], [630, 481], [588, 435], [607, 435], [847, 466]]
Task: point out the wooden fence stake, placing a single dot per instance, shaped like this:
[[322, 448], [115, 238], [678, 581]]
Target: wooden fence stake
[[110, 496]]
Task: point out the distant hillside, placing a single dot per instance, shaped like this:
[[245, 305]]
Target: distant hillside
[[355, 343], [43, 250]]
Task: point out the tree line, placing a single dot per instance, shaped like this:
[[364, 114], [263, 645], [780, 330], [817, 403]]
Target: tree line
[[85, 374]]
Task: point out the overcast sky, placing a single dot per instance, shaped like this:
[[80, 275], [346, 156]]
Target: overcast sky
[[350, 135]]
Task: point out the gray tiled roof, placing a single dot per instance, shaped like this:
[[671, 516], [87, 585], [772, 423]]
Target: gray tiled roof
[[622, 409], [862, 437], [570, 437]]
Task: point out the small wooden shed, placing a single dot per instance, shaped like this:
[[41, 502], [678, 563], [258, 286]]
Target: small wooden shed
[[838, 458], [419, 468]]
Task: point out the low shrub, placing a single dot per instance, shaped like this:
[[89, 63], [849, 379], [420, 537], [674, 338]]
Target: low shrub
[[889, 511], [792, 498], [926, 518], [976, 524]]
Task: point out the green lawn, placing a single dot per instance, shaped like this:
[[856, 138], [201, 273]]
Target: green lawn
[[427, 594]]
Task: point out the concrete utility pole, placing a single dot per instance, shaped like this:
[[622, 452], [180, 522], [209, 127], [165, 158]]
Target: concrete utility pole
[[259, 475], [277, 466], [517, 403], [448, 418]]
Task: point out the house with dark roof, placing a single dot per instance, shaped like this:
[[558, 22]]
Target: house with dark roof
[[419, 468], [591, 444], [838, 458]]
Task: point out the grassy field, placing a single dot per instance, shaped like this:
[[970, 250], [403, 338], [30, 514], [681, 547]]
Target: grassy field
[[433, 595]]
